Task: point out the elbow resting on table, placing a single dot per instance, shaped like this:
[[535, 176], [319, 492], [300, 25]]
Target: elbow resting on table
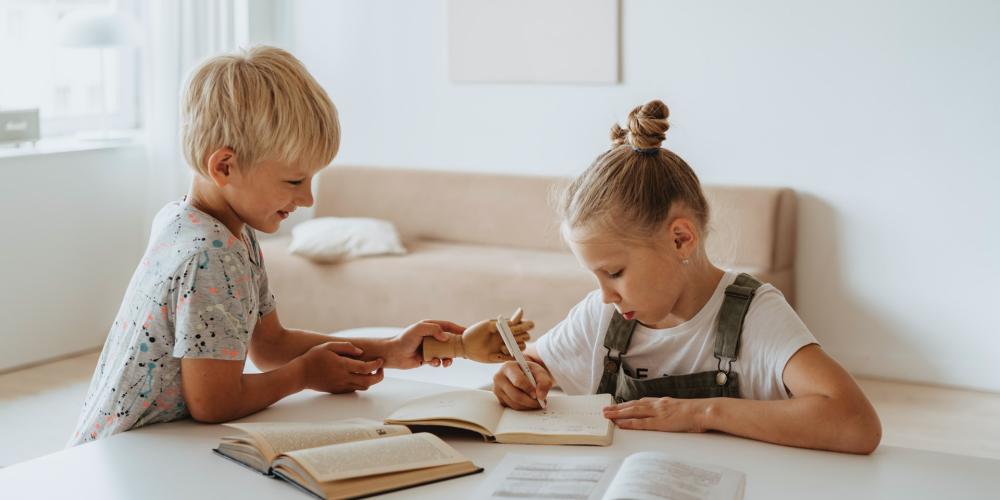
[[862, 432], [210, 414]]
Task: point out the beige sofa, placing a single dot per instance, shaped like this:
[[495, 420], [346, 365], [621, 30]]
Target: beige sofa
[[482, 244]]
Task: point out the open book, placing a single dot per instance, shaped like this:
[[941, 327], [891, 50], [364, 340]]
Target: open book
[[346, 458], [640, 476], [566, 420]]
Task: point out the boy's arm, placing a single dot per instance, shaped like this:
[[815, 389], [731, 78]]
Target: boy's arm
[[827, 410], [217, 390], [273, 345]]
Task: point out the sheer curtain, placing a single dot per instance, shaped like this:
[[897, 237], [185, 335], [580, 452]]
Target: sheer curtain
[[179, 35]]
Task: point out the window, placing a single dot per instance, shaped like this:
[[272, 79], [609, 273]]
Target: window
[[75, 88]]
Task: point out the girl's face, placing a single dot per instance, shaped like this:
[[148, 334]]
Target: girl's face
[[644, 280]]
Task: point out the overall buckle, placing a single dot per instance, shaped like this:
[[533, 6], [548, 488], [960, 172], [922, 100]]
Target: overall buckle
[[613, 361], [722, 376]]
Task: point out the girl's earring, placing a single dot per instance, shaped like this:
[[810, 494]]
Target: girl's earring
[[686, 261]]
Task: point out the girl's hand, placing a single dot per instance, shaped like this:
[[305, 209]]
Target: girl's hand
[[405, 350], [658, 414], [512, 387]]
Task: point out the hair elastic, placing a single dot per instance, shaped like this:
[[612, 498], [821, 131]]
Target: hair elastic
[[647, 151]]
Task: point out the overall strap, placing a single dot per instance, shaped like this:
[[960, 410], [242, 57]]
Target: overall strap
[[734, 310], [616, 341]]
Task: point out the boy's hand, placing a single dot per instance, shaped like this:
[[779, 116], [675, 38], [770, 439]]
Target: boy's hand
[[512, 387], [481, 342], [330, 367], [405, 350]]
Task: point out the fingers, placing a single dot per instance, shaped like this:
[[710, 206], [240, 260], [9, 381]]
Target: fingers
[[363, 382], [542, 378], [343, 348], [506, 352], [509, 393], [635, 423], [446, 326], [522, 327], [635, 411], [429, 329], [359, 367], [516, 317]]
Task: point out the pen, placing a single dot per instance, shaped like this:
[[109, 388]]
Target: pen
[[511, 343]]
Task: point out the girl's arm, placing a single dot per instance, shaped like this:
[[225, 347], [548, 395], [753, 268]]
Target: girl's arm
[[827, 411]]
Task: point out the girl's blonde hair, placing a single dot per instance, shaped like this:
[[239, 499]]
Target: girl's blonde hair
[[632, 188], [261, 103]]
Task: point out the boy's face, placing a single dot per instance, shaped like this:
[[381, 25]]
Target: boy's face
[[643, 282], [268, 193]]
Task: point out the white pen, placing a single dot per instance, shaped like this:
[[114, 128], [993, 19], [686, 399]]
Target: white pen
[[511, 343]]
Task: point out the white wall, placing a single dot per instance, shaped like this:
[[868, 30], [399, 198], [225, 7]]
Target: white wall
[[883, 115], [74, 230]]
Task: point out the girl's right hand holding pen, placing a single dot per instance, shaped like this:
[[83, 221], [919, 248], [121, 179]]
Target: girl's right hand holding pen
[[513, 389]]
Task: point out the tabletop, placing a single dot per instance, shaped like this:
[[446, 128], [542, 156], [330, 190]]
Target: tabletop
[[174, 460]]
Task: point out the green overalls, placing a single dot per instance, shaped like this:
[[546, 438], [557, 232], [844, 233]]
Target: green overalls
[[719, 383]]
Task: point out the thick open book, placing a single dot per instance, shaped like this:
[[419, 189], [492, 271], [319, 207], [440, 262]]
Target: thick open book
[[346, 458], [640, 476], [566, 420]]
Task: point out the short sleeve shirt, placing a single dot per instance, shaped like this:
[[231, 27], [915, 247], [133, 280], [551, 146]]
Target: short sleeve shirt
[[574, 352], [198, 292]]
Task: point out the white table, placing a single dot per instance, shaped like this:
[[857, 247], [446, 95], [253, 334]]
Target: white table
[[173, 461]]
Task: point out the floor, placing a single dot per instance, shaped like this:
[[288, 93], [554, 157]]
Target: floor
[[39, 405]]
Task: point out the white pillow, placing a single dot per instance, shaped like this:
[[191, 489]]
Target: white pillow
[[334, 239]]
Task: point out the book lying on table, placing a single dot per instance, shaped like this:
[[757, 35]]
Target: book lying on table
[[565, 420], [346, 458], [640, 476]]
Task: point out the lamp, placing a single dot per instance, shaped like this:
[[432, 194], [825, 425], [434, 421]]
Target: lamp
[[102, 31]]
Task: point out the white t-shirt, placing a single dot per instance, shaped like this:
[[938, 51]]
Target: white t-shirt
[[574, 352]]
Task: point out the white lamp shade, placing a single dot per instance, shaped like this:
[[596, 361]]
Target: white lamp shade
[[97, 30]]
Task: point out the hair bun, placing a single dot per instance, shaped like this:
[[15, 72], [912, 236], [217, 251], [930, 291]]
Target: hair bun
[[647, 126]]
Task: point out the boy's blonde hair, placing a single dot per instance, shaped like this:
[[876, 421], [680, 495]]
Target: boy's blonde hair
[[261, 103], [632, 188]]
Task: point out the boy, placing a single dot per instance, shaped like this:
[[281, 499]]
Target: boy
[[256, 128]]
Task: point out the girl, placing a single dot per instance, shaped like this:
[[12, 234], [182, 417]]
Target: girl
[[682, 345]]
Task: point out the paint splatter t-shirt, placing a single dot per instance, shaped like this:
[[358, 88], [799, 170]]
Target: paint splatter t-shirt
[[197, 293]]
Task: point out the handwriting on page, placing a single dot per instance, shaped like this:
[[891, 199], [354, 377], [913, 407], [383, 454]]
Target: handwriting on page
[[553, 420], [563, 416]]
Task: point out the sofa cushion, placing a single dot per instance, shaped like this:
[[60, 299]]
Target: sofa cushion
[[333, 239]]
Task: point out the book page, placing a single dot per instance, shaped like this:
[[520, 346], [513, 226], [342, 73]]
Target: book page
[[548, 477], [476, 406], [377, 456], [563, 415], [655, 476], [281, 437]]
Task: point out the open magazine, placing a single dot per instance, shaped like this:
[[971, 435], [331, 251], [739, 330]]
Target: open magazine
[[640, 476]]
